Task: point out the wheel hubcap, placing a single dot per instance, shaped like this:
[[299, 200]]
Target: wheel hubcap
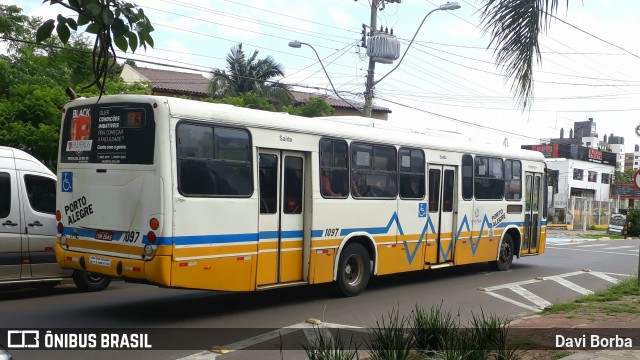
[[353, 270]]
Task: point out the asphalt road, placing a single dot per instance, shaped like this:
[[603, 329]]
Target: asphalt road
[[465, 290]]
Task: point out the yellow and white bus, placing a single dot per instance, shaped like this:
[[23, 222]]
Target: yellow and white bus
[[189, 194]]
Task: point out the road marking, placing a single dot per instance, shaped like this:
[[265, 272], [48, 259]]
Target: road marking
[[620, 247], [514, 302], [592, 245], [310, 332], [606, 277], [540, 302], [597, 251], [570, 285]]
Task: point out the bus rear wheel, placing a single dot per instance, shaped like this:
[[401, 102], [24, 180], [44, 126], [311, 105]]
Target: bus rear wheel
[[505, 255], [354, 270], [87, 281]]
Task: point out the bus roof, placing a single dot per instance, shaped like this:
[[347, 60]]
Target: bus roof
[[348, 127]]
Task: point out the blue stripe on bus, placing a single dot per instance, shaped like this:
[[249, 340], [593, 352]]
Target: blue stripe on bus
[[376, 230], [316, 233], [288, 234]]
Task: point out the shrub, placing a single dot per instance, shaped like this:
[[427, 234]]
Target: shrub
[[633, 222]]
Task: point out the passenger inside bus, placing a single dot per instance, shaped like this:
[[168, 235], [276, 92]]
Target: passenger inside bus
[[325, 183]]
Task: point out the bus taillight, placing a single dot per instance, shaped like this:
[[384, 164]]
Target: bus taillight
[[151, 236], [154, 224], [60, 228], [58, 215]]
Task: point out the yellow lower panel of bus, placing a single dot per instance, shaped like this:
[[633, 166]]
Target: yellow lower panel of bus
[[156, 270], [543, 241], [267, 272], [393, 258], [188, 252], [224, 273], [321, 269], [468, 252], [291, 265]]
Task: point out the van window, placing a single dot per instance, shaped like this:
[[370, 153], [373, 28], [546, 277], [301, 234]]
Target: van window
[[41, 192], [5, 194]]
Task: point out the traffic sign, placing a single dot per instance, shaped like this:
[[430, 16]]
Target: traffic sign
[[636, 179]]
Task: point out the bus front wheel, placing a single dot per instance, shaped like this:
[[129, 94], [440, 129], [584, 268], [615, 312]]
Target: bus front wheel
[[505, 255], [354, 270]]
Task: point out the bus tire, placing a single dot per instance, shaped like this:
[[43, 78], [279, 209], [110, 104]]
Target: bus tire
[[354, 270], [505, 254], [86, 281]]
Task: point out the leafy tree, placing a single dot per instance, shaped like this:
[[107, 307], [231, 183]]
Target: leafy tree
[[633, 222], [249, 75], [314, 107], [623, 177], [112, 21], [514, 27], [32, 83]]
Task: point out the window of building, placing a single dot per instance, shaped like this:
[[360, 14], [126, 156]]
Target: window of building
[[41, 192], [334, 168], [373, 171], [512, 180], [593, 176], [605, 178], [411, 173], [467, 177], [488, 178], [214, 161], [578, 174], [5, 194]]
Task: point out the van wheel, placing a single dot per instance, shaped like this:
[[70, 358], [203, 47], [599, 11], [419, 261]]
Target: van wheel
[[44, 286], [354, 270], [505, 255], [87, 281]]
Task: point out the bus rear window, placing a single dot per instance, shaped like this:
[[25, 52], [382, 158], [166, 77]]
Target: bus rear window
[[108, 134]]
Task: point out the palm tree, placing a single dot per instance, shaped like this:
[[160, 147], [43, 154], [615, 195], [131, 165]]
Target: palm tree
[[249, 75], [514, 26]]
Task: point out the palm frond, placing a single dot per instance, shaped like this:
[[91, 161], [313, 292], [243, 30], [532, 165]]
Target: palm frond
[[514, 27]]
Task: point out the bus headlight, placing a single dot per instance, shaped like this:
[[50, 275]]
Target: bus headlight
[[63, 241], [148, 250]]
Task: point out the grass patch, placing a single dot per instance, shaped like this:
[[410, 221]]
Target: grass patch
[[562, 307], [598, 236], [617, 309], [562, 353]]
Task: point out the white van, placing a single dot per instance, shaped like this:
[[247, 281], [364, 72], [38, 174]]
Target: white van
[[28, 226]]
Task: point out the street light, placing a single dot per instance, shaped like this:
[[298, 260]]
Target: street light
[[298, 44], [368, 95]]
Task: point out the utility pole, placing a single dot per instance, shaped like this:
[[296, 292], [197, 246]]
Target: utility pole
[[368, 94]]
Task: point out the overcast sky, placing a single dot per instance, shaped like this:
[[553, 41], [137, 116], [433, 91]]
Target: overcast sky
[[447, 81]]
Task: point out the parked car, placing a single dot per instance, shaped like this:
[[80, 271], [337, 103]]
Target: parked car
[[28, 226]]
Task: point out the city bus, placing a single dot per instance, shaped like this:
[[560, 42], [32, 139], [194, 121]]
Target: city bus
[[188, 194]]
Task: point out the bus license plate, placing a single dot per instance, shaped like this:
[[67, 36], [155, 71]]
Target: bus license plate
[[95, 260], [104, 235]]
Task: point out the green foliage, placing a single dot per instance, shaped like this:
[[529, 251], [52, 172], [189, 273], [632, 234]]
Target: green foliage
[[32, 83], [633, 222], [390, 338], [328, 347], [112, 22], [251, 101], [431, 328], [246, 75], [314, 107], [625, 177]]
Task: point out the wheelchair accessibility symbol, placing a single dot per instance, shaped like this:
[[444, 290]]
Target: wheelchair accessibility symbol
[[422, 209], [67, 182]]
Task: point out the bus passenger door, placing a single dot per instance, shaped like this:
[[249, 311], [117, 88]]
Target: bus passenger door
[[280, 240], [442, 209], [533, 203]]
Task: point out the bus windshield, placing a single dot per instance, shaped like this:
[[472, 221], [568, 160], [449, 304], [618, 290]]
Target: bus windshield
[[108, 134]]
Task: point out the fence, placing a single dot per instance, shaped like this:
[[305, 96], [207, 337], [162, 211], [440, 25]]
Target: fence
[[582, 212]]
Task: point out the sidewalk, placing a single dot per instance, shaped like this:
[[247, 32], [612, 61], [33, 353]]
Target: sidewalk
[[623, 322]]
